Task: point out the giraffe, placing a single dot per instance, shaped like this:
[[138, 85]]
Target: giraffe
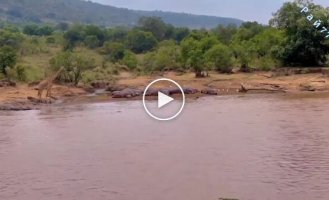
[[47, 84]]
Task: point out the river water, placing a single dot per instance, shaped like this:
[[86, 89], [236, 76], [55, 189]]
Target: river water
[[246, 147]]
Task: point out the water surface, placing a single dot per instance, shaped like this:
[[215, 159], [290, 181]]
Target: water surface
[[247, 147]]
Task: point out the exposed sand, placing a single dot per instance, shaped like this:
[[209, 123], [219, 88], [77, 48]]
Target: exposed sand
[[225, 83]]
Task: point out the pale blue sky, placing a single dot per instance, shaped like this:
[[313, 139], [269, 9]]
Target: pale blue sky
[[248, 10]]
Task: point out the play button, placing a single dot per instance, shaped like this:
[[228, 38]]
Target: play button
[[163, 99]]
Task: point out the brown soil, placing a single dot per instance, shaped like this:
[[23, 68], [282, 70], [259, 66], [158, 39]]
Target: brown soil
[[225, 83]]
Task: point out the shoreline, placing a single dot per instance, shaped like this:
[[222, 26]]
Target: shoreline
[[316, 84]]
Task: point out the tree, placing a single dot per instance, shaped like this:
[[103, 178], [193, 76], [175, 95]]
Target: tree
[[194, 48], [304, 44], [114, 51], [180, 33], [74, 65], [45, 30], [73, 36], [265, 42], [225, 33], [129, 59], [166, 57], [95, 32], [117, 34], [31, 29], [91, 41], [8, 59], [10, 38], [155, 25], [37, 30], [140, 41], [219, 57], [62, 26]]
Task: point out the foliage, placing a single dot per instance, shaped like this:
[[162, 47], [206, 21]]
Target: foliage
[[129, 59], [194, 48], [114, 51], [140, 41], [225, 33], [73, 36], [8, 59], [38, 30], [155, 25], [18, 73], [219, 57], [10, 37], [166, 57], [303, 45], [73, 64]]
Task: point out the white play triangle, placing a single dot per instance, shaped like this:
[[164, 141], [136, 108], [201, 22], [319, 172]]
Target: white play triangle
[[163, 99]]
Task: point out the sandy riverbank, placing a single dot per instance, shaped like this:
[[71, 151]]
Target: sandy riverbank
[[223, 84]]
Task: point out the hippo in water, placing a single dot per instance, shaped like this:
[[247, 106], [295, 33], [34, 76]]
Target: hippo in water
[[127, 93]]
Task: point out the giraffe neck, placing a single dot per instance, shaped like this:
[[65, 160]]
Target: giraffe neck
[[55, 75]]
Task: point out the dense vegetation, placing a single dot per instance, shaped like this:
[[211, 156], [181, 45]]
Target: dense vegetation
[[90, 52], [87, 12]]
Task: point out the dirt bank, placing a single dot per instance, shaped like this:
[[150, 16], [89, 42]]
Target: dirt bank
[[216, 84]]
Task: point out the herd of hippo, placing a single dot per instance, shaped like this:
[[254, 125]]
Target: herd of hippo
[[122, 92]]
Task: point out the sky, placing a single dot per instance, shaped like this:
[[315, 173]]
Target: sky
[[247, 10]]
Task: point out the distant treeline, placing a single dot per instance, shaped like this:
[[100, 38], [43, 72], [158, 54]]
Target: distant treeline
[[153, 46]]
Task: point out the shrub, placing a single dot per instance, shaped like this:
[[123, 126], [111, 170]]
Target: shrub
[[219, 57], [129, 59], [73, 64]]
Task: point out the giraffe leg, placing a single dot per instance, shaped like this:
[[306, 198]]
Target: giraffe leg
[[49, 91], [40, 91]]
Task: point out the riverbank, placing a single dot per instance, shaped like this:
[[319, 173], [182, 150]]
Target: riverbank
[[15, 98]]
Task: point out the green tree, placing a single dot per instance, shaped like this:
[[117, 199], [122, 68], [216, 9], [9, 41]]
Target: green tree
[[117, 34], [45, 30], [129, 59], [219, 57], [73, 36], [74, 64], [140, 41], [180, 33], [193, 50], [8, 59], [304, 44], [155, 25], [10, 38], [96, 33], [265, 42], [91, 41], [114, 51], [31, 29], [34, 29], [166, 57], [225, 33]]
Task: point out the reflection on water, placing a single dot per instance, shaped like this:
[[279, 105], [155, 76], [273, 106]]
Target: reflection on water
[[246, 147]]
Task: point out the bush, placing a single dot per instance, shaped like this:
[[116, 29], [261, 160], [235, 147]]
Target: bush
[[98, 74], [8, 59], [50, 40], [21, 73], [114, 51], [140, 41], [166, 57], [219, 57], [74, 66], [91, 41], [129, 59]]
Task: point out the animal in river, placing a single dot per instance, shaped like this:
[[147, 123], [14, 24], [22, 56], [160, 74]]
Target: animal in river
[[47, 84]]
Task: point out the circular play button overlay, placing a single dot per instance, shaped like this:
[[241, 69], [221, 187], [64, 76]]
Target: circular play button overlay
[[163, 99]]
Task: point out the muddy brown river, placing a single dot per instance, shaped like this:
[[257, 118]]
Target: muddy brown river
[[259, 147]]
